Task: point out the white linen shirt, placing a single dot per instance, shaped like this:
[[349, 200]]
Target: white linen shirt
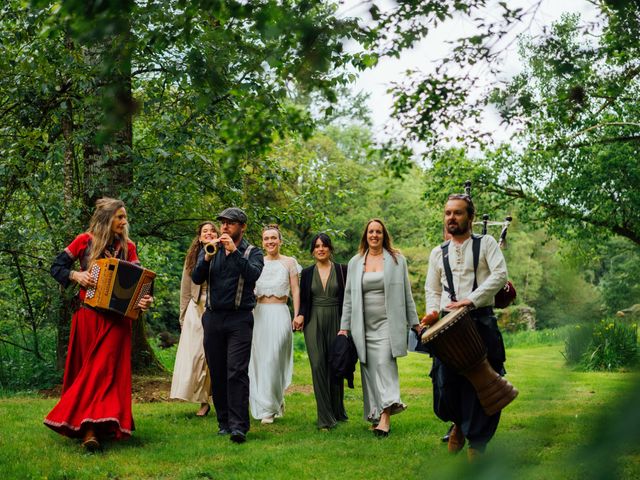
[[491, 274]]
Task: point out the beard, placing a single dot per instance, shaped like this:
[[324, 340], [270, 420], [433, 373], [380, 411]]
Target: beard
[[458, 228], [236, 236]]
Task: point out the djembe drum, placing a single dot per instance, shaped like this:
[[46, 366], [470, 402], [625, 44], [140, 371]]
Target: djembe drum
[[455, 340]]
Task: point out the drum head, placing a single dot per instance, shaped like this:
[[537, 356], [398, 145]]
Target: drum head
[[444, 323]]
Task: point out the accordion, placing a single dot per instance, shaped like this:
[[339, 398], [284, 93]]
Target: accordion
[[119, 286]]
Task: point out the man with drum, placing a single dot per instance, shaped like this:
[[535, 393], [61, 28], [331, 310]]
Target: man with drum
[[454, 398], [231, 272]]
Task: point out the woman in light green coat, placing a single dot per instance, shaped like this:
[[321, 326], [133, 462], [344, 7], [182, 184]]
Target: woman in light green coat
[[378, 310]]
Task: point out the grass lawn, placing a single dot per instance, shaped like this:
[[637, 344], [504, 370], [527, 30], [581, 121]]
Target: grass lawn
[[555, 429]]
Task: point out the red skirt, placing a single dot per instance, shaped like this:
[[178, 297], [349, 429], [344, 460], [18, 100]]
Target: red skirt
[[97, 377]]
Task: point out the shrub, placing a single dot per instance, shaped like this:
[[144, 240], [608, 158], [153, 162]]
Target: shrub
[[517, 318], [22, 371], [577, 341], [614, 344]]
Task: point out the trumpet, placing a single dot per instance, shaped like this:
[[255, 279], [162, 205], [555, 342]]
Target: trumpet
[[211, 248]]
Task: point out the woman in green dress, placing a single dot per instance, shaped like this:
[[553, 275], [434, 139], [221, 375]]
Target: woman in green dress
[[321, 297]]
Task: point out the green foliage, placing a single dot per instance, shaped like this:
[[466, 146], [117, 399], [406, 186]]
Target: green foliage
[[619, 281], [574, 105], [606, 345], [299, 347], [531, 338], [170, 106], [573, 110], [517, 318], [614, 345], [577, 342], [20, 371], [565, 296]]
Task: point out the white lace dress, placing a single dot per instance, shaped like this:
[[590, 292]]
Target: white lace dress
[[271, 364]]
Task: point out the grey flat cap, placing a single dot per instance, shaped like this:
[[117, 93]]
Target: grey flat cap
[[234, 214]]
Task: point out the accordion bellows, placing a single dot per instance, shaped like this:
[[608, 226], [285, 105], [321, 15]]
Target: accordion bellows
[[120, 286]]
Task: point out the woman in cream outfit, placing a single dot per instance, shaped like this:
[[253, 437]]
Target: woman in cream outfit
[[378, 310], [271, 364], [191, 380]]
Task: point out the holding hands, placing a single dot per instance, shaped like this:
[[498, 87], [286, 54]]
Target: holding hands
[[298, 323]]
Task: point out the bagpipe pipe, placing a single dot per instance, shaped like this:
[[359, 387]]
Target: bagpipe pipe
[[507, 294]]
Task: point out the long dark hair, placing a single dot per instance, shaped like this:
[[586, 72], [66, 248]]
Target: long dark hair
[[387, 243], [194, 248], [324, 238]]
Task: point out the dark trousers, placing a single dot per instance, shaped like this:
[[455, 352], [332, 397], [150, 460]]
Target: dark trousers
[[227, 347], [455, 399]]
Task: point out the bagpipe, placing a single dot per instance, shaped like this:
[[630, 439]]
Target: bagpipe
[[507, 294]]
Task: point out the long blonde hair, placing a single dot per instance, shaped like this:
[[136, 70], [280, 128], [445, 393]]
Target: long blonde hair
[[100, 228]]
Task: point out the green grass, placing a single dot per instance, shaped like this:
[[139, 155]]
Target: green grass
[[544, 434]]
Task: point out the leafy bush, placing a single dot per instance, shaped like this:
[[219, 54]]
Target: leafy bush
[[614, 344], [22, 371], [517, 318], [577, 341], [606, 345]]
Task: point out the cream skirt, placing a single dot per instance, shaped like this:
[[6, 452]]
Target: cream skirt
[[271, 364], [191, 380]]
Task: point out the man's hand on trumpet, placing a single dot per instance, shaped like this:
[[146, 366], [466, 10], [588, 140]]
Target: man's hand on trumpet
[[211, 248], [227, 242]]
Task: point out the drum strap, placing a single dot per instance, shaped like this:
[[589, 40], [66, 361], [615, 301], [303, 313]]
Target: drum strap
[[447, 271], [475, 246]]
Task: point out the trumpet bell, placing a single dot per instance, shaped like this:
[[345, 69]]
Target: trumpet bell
[[211, 248]]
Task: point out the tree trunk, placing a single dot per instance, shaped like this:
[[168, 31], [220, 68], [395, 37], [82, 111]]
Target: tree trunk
[[143, 359], [66, 309], [120, 168]]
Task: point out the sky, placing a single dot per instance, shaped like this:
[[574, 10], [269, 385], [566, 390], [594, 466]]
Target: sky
[[377, 80]]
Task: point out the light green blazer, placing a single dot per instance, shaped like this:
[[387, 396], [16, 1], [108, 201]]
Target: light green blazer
[[401, 310]]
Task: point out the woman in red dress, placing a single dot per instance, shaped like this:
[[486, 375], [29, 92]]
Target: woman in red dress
[[96, 391]]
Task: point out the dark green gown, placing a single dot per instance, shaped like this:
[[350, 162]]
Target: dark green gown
[[318, 335]]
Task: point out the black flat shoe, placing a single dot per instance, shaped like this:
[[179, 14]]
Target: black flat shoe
[[238, 437], [445, 437], [381, 433]]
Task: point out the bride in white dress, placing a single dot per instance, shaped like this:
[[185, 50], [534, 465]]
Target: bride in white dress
[[191, 380], [271, 364]]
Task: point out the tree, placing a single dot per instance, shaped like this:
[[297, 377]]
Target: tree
[[129, 99], [574, 109]]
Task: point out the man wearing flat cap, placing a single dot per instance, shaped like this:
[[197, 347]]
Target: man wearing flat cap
[[231, 273]]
